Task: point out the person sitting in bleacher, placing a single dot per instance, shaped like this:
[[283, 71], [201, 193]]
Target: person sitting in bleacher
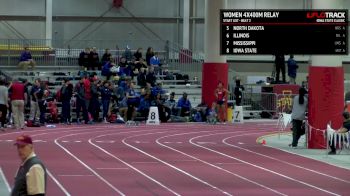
[[159, 103], [141, 78], [145, 104], [84, 59], [171, 105], [140, 64], [123, 108], [185, 105], [212, 115], [344, 129], [150, 77], [94, 60], [26, 59], [158, 90], [138, 54]]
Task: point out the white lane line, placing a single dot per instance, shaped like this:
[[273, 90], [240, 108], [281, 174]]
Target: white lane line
[[77, 141], [37, 141], [185, 161], [108, 141], [213, 165], [285, 162], [141, 142], [132, 167], [9, 140], [57, 130], [240, 143], [58, 183], [206, 142], [170, 165], [46, 133], [5, 180], [144, 162], [256, 166], [65, 141], [172, 142], [74, 175], [228, 163], [115, 168], [86, 166]]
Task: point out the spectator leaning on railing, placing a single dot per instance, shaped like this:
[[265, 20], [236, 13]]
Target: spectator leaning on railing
[[344, 129], [26, 59]]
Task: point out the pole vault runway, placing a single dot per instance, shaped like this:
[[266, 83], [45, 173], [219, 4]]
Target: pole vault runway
[[171, 159]]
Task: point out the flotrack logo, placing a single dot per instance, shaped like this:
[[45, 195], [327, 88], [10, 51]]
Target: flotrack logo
[[316, 15], [323, 15]]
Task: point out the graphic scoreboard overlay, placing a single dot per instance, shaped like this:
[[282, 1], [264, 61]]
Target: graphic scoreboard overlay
[[284, 31]]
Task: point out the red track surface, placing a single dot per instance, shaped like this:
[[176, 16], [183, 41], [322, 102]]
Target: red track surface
[[172, 159]]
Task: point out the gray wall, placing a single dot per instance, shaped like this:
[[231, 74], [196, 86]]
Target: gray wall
[[162, 16]]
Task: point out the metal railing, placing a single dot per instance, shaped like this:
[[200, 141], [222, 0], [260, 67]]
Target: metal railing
[[66, 53], [267, 104]]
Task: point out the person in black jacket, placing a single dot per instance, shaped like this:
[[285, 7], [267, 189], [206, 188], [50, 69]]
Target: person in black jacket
[[107, 56], [94, 103], [81, 101], [280, 66], [151, 77], [149, 55], [66, 95], [31, 177], [94, 60], [238, 92], [106, 94], [84, 58]]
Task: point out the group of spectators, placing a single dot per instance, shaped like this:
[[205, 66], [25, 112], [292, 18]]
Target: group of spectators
[[113, 93]]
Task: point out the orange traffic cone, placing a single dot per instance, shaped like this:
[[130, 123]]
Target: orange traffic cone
[[263, 142]]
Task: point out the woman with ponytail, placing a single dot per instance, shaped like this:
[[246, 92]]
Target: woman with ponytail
[[298, 115]]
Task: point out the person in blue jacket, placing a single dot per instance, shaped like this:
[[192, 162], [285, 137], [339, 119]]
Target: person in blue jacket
[[185, 105], [292, 69]]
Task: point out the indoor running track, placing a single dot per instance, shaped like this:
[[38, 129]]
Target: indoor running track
[[171, 159]]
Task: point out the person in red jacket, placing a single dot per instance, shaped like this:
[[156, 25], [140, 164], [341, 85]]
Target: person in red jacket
[[18, 97]]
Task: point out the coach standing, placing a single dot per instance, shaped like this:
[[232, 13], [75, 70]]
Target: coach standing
[[31, 175]]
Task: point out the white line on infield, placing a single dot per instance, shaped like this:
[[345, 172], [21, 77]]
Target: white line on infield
[[86, 166], [213, 165], [74, 175], [115, 168], [58, 183], [5, 180], [172, 166], [256, 166]]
